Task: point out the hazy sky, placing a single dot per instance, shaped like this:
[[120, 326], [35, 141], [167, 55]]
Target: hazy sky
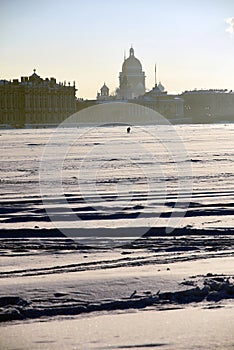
[[191, 41]]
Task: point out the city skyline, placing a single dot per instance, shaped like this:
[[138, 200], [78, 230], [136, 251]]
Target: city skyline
[[193, 45]]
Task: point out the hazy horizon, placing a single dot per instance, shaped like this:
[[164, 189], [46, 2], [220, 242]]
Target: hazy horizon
[[191, 42]]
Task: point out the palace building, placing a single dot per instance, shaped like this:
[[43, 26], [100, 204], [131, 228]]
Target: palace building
[[34, 100], [168, 105], [209, 106]]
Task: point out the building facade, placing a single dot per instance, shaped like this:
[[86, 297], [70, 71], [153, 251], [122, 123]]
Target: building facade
[[168, 105], [208, 106], [34, 100]]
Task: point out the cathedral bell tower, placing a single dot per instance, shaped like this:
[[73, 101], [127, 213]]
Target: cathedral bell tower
[[104, 95]]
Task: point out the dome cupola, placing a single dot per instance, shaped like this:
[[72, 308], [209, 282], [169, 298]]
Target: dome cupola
[[131, 64]]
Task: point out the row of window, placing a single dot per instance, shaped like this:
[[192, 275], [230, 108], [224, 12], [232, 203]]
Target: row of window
[[14, 118], [10, 101]]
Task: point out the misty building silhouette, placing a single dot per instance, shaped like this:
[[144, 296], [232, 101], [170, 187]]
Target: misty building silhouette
[[104, 94], [131, 78], [132, 89]]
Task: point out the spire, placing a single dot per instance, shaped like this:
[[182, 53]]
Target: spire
[[155, 75]]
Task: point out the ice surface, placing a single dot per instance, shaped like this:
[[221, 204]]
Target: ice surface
[[187, 329], [47, 275], [110, 180]]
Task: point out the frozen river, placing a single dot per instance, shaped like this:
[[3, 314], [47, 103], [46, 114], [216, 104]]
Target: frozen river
[[74, 203], [102, 177]]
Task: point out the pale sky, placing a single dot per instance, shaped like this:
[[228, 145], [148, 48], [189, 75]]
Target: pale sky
[[192, 42]]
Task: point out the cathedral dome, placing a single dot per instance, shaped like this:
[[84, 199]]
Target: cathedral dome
[[131, 64], [131, 79]]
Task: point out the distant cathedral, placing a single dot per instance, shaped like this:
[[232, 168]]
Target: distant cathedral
[[131, 81], [132, 88]]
